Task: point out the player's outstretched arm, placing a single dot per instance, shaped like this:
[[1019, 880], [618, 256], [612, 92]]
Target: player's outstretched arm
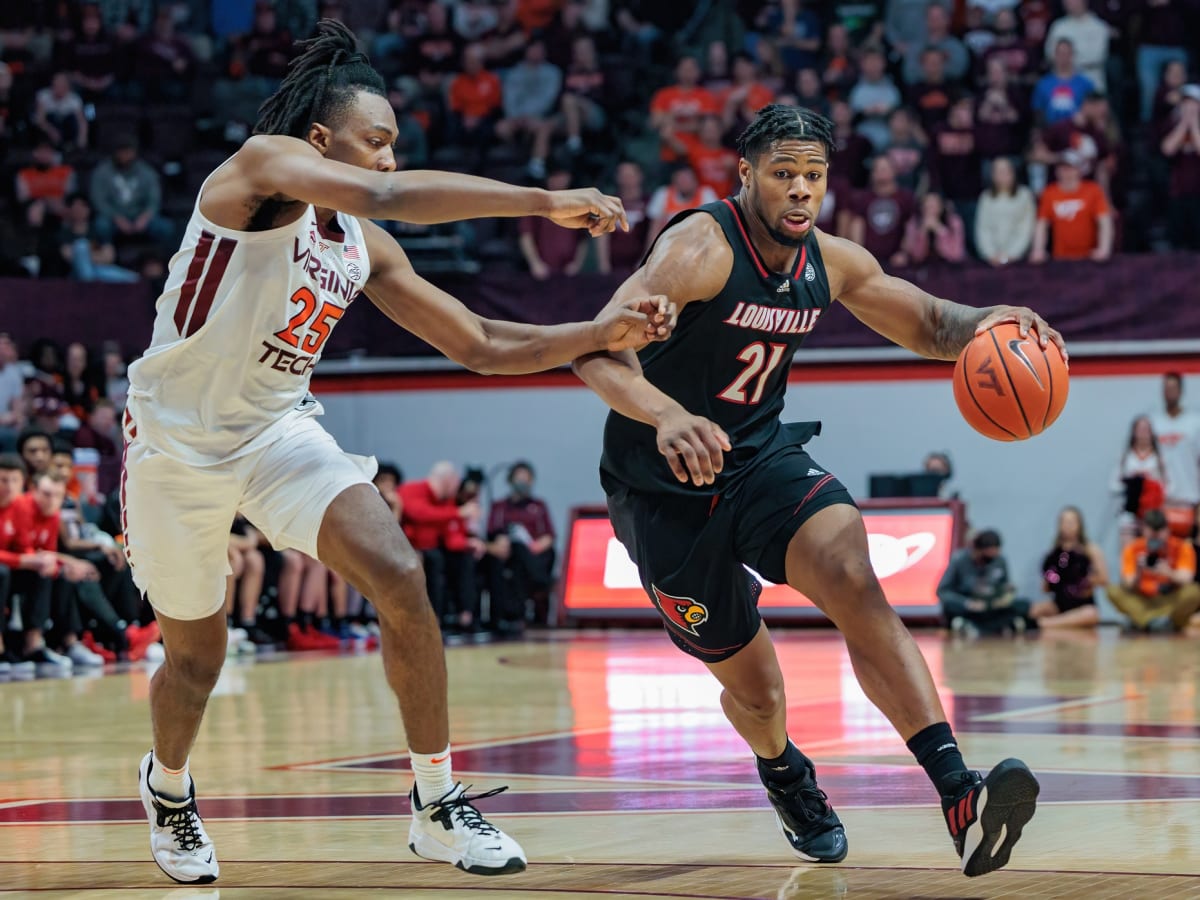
[[690, 263], [277, 166], [492, 347], [906, 315]]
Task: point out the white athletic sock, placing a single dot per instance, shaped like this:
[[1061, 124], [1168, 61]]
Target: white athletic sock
[[171, 784], [432, 773]]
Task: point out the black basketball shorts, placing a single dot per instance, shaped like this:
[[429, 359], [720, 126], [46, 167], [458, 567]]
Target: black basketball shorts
[[692, 552]]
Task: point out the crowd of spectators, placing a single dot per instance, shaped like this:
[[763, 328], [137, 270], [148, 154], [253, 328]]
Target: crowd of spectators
[[112, 112], [67, 597]]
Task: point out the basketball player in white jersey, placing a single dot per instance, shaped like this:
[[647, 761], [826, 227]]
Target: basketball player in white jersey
[[220, 420]]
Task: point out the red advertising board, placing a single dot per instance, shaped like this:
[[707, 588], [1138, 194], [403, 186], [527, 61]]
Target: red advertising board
[[910, 544]]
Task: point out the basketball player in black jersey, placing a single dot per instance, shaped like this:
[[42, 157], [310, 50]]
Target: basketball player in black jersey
[[702, 477]]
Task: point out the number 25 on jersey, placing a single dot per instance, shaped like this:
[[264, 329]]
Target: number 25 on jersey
[[309, 328]]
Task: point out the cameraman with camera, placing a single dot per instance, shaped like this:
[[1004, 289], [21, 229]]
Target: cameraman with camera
[[1158, 573]]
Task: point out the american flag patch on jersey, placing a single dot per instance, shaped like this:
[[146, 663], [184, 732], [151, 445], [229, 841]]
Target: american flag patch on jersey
[[351, 252]]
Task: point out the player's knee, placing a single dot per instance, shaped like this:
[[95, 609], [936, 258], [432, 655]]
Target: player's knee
[[764, 702], [198, 671], [404, 587], [849, 587]]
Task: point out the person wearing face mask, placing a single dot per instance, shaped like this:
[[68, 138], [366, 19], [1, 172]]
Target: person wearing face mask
[[522, 540], [976, 593], [1158, 573]]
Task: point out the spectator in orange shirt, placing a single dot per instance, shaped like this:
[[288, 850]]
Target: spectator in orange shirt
[[678, 107], [1074, 210], [683, 192], [715, 164], [43, 186], [475, 98], [747, 95], [1158, 573]]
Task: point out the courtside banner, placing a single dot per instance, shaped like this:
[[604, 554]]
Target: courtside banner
[[910, 548]]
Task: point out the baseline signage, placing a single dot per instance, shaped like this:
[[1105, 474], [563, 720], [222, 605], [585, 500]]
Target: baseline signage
[[910, 544]]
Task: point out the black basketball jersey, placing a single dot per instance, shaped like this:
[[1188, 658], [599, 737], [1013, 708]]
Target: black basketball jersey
[[728, 360]]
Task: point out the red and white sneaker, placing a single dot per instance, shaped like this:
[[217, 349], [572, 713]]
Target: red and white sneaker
[[987, 815]]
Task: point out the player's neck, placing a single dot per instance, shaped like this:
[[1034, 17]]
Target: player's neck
[[778, 257]]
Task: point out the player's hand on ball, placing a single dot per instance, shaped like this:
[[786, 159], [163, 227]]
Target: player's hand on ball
[[1027, 320], [695, 447], [587, 208], [635, 323]]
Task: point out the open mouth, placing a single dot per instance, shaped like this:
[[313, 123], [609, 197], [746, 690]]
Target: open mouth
[[797, 222]]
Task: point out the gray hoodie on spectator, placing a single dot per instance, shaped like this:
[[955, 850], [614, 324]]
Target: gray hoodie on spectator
[[530, 91], [125, 192], [963, 580]]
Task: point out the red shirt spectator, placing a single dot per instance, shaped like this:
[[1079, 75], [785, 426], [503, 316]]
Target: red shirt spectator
[[678, 107], [429, 513], [35, 530], [715, 164], [1077, 214]]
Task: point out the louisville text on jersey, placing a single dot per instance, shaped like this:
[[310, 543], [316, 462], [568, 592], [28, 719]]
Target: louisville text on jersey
[[773, 319]]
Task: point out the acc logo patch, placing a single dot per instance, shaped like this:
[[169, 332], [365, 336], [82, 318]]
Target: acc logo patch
[[682, 612]]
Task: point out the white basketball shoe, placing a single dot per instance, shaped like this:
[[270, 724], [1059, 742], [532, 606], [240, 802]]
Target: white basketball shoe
[[450, 829], [178, 842]]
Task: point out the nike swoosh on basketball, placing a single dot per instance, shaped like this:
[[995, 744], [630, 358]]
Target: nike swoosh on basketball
[[437, 762]]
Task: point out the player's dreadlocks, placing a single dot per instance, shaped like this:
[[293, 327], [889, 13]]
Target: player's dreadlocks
[[321, 83], [776, 122]]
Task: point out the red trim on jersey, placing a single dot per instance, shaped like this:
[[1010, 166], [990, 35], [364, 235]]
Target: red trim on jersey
[[212, 281], [195, 269], [745, 237], [328, 233], [800, 262]]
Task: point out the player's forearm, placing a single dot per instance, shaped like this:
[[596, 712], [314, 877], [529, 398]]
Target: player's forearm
[[511, 348], [624, 388], [429, 198], [953, 328]]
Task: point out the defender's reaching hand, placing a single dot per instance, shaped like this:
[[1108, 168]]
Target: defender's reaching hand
[[587, 208]]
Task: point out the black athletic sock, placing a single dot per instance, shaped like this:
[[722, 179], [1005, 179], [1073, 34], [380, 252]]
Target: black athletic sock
[[306, 620], [787, 767], [338, 622], [937, 752], [248, 624]]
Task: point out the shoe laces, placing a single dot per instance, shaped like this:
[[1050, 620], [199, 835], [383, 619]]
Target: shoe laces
[[806, 798], [461, 808], [184, 823]]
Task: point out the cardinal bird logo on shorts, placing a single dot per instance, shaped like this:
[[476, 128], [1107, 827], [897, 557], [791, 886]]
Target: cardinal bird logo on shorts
[[682, 612]]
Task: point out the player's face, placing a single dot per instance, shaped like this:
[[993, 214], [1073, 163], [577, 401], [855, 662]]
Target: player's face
[[786, 187], [365, 136]]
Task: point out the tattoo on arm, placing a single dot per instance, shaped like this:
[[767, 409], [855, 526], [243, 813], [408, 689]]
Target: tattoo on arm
[[954, 327]]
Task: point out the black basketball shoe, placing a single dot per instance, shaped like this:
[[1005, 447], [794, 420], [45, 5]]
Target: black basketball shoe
[[986, 815], [805, 816]]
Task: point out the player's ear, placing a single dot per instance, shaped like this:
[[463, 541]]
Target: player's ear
[[319, 136], [744, 168]]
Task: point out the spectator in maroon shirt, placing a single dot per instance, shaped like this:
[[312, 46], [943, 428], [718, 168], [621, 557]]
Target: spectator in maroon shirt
[[522, 537], [931, 95], [1163, 38], [935, 234], [552, 250], [906, 148], [91, 57], [1174, 77], [853, 149], [1001, 122], [840, 72], [266, 51], [1181, 146], [955, 168], [621, 251], [1091, 133], [98, 432], [1019, 56], [881, 213], [165, 63]]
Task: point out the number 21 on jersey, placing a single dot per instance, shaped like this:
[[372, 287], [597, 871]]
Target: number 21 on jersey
[[761, 360]]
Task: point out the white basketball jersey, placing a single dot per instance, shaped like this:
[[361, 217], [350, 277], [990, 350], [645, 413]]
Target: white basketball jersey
[[239, 327]]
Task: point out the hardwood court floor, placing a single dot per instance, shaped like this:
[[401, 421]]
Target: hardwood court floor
[[625, 778]]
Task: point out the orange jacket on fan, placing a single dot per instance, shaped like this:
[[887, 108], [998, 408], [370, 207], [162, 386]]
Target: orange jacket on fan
[[715, 167], [476, 95], [1074, 218], [1179, 554]]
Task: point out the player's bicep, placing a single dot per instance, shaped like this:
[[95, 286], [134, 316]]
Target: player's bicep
[[420, 307], [279, 166], [890, 306]]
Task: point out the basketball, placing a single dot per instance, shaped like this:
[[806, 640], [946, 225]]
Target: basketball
[[1009, 387]]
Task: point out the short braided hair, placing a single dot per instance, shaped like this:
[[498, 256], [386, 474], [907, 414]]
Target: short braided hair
[[321, 83], [776, 122]]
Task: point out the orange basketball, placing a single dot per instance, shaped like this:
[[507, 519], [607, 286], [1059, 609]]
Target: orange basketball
[[1008, 387]]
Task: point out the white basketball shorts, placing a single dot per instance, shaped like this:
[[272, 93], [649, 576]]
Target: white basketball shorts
[[177, 516]]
